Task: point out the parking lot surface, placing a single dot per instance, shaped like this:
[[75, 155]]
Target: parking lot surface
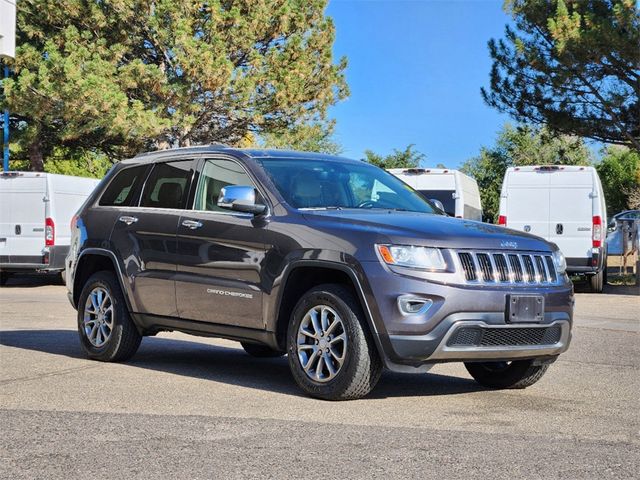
[[188, 407]]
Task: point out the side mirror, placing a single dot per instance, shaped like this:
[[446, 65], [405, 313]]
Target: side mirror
[[437, 203], [241, 198], [612, 225]]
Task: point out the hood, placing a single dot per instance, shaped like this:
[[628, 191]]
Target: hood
[[429, 230]]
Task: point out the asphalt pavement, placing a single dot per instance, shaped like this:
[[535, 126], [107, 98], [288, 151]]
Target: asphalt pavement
[[189, 407]]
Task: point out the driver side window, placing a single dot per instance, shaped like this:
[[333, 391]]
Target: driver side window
[[215, 175]]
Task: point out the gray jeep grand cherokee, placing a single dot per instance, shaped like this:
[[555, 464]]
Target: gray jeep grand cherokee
[[332, 261]]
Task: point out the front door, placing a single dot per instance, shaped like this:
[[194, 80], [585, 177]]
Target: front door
[[144, 237], [220, 254]]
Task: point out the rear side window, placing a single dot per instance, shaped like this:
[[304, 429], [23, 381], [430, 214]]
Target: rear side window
[[121, 190], [167, 185]]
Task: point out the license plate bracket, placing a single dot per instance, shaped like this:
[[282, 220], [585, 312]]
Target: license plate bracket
[[525, 308]]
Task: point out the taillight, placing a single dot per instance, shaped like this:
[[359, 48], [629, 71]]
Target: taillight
[[49, 232], [502, 220], [597, 231]]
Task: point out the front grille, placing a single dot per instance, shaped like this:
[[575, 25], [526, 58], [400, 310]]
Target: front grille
[[505, 337], [507, 268]]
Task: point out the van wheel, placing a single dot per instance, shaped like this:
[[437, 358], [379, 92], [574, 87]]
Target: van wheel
[[516, 374], [331, 352], [596, 282], [260, 351], [106, 330]]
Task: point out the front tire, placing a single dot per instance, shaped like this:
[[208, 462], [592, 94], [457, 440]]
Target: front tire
[[332, 354], [516, 374], [106, 330]]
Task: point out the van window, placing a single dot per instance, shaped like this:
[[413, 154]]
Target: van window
[[121, 190], [445, 196], [167, 185], [217, 174]]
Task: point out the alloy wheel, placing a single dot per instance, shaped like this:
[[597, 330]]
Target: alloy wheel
[[322, 343], [98, 317]]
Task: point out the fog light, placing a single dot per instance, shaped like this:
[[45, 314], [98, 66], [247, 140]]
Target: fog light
[[412, 305]]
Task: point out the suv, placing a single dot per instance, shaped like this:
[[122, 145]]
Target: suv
[[332, 261]]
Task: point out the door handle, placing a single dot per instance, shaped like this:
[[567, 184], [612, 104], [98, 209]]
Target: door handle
[[128, 219], [192, 224]]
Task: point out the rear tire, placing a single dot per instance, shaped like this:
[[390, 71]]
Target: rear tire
[[331, 352], [596, 282], [260, 351], [106, 330], [516, 374], [4, 277]]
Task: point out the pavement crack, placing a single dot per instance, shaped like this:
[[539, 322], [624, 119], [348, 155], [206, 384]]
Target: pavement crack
[[49, 374]]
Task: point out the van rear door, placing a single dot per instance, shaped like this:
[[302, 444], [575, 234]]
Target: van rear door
[[571, 213], [22, 218], [528, 202]]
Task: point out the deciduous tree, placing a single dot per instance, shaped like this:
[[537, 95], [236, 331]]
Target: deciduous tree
[[619, 172], [515, 146], [407, 158]]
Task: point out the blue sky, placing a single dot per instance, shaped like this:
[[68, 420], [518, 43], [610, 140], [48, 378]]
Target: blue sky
[[415, 72]]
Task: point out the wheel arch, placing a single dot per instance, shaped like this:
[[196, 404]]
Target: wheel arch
[[303, 275], [94, 260]]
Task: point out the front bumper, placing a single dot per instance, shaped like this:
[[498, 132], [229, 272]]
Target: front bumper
[[419, 340], [486, 337]]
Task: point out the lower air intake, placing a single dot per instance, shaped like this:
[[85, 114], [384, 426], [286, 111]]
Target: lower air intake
[[505, 337]]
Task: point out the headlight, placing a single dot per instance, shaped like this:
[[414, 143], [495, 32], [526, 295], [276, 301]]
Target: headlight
[[559, 261], [412, 256]]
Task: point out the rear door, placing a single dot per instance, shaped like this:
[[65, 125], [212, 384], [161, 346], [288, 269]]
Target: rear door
[[220, 253], [571, 214], [22, 218], [144, 237], [528, 202]]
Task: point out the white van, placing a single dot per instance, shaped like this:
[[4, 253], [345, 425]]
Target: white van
[[457, 192], [35, 217], [562, 204]]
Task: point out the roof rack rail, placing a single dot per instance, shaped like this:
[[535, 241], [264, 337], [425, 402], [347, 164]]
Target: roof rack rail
[[156, 152]]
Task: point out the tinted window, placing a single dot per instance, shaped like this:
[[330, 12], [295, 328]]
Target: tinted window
[[217, 174], [341, 184], [121, 190], [445, 196], [167, 185]]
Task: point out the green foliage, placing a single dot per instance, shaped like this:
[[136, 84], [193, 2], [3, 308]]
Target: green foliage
[[407, 158], [619, 171], [84, 164], [516, 146], [123, 76], [572, 65], [65, 161], [307, 137]]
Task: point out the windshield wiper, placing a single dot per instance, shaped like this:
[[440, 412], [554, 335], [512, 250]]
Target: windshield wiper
[[321, 208]]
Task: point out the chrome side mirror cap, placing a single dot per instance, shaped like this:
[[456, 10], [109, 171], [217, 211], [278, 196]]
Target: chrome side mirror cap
[[240, 198], [437, 203]]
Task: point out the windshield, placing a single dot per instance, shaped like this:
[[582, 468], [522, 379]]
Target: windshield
[[320, 184]]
